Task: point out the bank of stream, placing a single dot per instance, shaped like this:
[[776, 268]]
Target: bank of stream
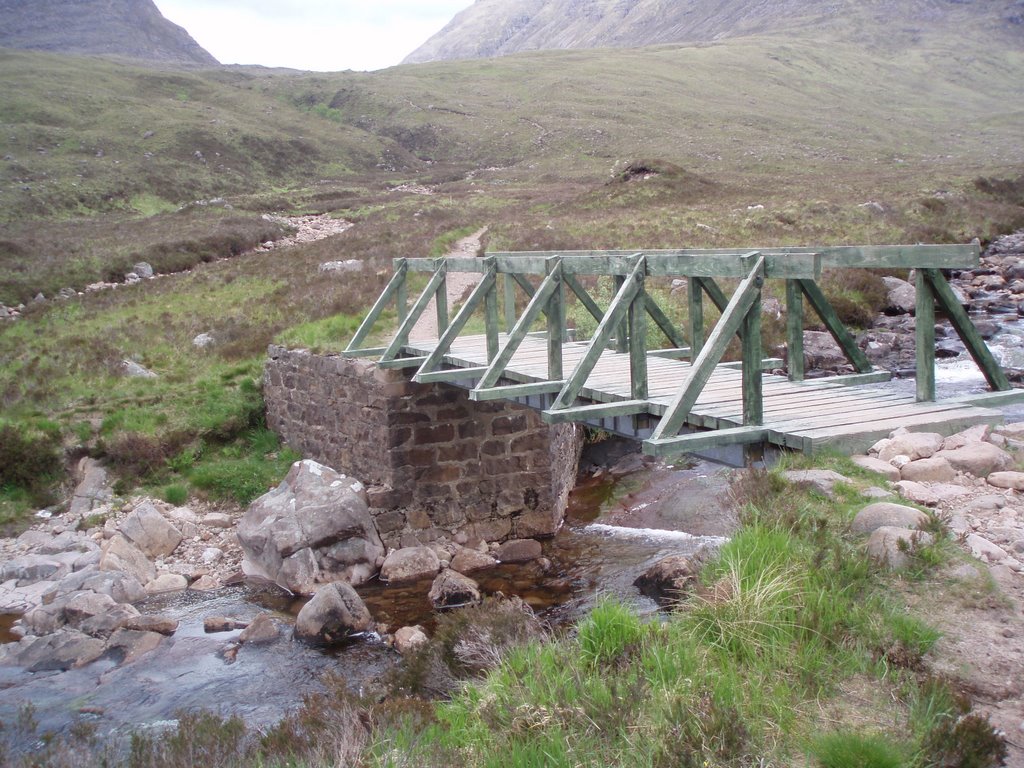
[[617, 526]]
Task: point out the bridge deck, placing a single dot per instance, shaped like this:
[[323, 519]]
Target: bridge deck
[[808, 415]]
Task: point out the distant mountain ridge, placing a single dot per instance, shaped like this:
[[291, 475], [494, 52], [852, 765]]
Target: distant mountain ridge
[[492, 28], [131, 28]]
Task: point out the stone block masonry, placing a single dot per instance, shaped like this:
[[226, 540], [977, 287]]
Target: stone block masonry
[[436, 463]]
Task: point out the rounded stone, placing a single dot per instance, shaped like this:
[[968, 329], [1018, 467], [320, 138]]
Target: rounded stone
[[886, 514]]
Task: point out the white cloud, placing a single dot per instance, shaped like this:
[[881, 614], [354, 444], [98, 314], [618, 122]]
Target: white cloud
[[320, 35]]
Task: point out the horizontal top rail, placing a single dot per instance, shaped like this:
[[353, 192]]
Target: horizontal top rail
[[731, 263], [785, 262]]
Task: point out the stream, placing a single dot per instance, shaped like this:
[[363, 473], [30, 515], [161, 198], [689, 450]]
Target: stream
[[611, 536]]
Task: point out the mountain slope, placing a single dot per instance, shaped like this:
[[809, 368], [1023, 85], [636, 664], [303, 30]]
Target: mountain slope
[[132, 28], [500, 27]]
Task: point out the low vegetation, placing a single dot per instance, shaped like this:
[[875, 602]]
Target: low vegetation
[[792, 650]]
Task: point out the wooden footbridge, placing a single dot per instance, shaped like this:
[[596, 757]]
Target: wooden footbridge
[[682, 397]]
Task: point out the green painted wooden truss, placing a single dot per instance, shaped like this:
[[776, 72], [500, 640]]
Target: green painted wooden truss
[[545, 278]]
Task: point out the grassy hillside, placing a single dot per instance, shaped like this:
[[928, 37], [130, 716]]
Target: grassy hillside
[[747, 142]]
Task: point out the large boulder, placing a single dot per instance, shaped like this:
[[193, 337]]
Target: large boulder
[[334, 613], [315, 527], [453, 590], [873, 464], [150, 531], [410, 564], [670, 578], [119, 554], [885, 514], [934, 469], [978, 459], [893, 547], [913, 445]]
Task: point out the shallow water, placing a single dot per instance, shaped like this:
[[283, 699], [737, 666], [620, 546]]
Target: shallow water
[[590, 556]]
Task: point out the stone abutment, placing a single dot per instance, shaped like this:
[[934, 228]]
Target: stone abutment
[[435, 462]]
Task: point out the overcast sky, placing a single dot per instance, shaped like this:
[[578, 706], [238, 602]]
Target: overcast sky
[[321, 35]]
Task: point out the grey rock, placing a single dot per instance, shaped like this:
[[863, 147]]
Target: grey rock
[[978, 459], [934, 469], [873, 464], [134, 370], [319, 517], [167, 582], [901, 297], [518, 551], [914, 445], [218, 520], [451, 589], [891, 546], [119, 554], [92, 491], [917, 493], [335, 267], [105, 624], [885, 514], [821, 481], [983, 549], [669, 579], [203, 340], [127, 645], [262, 629], [29, 569], [334, 613], [58, 651], [468, 560], [410, 564], [150, 531], [1010, 480], [976, 434], [121, 587], [164, 625], [874, 492], [410, 639], [143, 269]]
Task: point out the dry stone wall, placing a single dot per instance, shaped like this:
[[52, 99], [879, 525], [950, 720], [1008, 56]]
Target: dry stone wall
[[436, 463]]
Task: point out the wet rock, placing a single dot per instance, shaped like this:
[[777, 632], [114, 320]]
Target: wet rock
[[334, 613], [314, 527], [163, 625], [518, 551], [978, 459], [127, 645], [150, 531], [263, 629], [874, 464], [409, 639], [29, 569], [205, 583], [453, 590], [410, 564], [223, 624], [934, 469], [669, 579], [468, 560], [119, 554], [821, 481], [892, 547], [1010, 480], [105, 624], [885, 514], [58, 651], [167, 582]]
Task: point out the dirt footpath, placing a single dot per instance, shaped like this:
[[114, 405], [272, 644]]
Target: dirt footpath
[[458, 284]]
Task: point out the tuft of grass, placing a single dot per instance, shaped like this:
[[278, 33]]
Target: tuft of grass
[[609, 631], [854, 750], [176, 494]]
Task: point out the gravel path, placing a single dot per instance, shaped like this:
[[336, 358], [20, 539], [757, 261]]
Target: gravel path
[[458, 284]]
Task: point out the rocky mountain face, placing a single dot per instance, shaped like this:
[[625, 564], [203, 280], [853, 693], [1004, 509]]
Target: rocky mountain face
[[491, 28], [130, 28]]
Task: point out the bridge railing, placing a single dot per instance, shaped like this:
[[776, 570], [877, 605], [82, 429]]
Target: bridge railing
[[624, 323]]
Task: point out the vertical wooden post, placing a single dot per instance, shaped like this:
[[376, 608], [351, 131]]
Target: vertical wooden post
[[924, 325], [556, 319], [402, 293], [637, 321], [441, 297], [491, 309], [695, 296], [622, 331], [750, 334], [510, 301], [794, 331]]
